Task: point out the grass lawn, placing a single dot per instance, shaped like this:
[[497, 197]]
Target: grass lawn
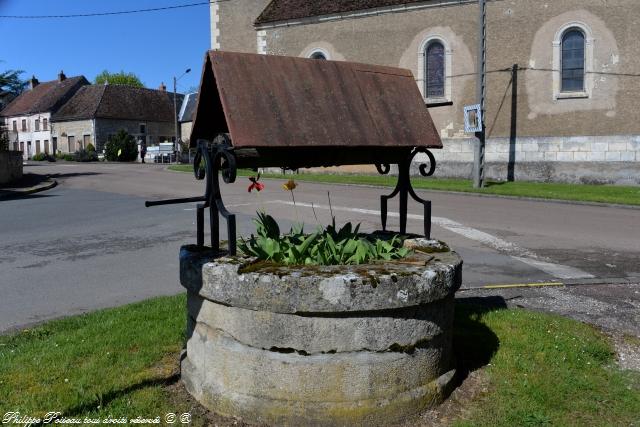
[[122, 362], [627, 195]]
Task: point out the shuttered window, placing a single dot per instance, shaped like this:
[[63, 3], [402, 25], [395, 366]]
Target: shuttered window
[[434, 70], [572, 64]]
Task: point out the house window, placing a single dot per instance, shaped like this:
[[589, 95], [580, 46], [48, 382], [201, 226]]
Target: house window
[[46, 146], [22, 146], [143, 128], [86, 141], [24, 125], [15, 126], [45, 124], [72, 143], [573, 61], [37, 125], [434, 72], [37, 146]]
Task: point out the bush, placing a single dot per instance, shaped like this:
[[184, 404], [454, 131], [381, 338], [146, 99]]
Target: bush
[[328, 246], [90, 148], [69, 157], [121, 148], [41, 157], [86, 155]]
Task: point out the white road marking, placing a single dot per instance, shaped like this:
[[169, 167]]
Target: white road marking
[[227, 206], [508, 248], [556, 270]]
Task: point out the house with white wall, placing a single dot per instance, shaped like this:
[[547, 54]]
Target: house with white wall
[[28, 117], [185, 116]]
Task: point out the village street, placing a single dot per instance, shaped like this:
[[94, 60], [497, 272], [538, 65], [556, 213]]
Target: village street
[[90, 242]]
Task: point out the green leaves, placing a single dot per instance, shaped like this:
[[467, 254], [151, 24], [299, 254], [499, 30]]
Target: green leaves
[[327, 246]]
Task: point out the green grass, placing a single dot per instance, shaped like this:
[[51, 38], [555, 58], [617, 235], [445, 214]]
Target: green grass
[[547, 370], [113, 362], [618, 194], [542, 369]]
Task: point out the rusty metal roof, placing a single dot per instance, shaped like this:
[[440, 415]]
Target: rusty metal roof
[[266, 101]]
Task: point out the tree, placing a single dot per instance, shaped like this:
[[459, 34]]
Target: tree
[[10, 82], [120, 78], [121, 147]]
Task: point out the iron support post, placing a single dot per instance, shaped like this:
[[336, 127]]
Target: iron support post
[[175, 114]]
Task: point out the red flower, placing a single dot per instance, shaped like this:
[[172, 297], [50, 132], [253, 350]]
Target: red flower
[[255, 185]]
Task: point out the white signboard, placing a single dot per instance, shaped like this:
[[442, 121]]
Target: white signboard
[[473, 118]]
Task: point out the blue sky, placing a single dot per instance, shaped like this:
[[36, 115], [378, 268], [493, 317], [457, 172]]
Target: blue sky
[[154, 45]]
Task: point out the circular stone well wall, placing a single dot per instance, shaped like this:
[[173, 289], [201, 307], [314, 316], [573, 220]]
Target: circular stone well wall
[[316, 345]]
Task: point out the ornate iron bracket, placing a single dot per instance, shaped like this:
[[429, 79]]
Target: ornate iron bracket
[[404, 188], [212, 160]]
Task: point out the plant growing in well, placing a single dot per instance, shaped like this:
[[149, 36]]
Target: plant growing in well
[[326, 246]]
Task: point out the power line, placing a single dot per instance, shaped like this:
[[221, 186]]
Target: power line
[[121, 12]]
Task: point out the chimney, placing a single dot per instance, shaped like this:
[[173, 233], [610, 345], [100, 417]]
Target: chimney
[[162, 87], [33, 82], [61, 76]]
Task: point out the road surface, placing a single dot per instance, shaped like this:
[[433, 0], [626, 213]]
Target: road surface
[[90, 242]]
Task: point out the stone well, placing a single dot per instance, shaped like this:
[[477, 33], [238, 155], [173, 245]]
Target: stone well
[[310, 345]]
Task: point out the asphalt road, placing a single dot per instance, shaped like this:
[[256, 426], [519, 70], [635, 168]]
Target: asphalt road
[[90, 242]]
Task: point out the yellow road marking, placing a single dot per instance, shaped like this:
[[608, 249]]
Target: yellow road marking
[[523, 285]]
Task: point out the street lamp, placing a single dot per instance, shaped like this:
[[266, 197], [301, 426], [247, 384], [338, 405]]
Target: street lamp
[[175, 107]]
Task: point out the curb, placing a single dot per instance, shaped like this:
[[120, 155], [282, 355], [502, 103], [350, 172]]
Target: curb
[[36, 189], [558, 283]]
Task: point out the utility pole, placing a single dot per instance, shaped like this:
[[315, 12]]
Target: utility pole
[[481, 74], [175, 110], [175, 115]]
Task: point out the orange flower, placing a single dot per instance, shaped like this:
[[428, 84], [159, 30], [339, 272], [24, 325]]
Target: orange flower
[[289, 185]]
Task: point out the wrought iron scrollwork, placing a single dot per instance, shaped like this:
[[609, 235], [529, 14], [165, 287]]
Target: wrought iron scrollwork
[[211, 161], [383, 168], [423, 167], [404, 188]]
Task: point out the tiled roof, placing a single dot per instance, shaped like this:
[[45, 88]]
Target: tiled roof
[[282, 10], [47, 96], [188, 107], [118, 102]]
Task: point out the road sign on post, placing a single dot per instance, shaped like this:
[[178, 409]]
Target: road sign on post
[[478, 161], [473, 118]]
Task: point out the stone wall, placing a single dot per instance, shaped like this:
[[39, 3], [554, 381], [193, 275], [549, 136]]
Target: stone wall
[[583, 159], [520, 32], [185, 131], [577, 137], [10, 166], [232, 24], [155, 132], [77, 129]]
